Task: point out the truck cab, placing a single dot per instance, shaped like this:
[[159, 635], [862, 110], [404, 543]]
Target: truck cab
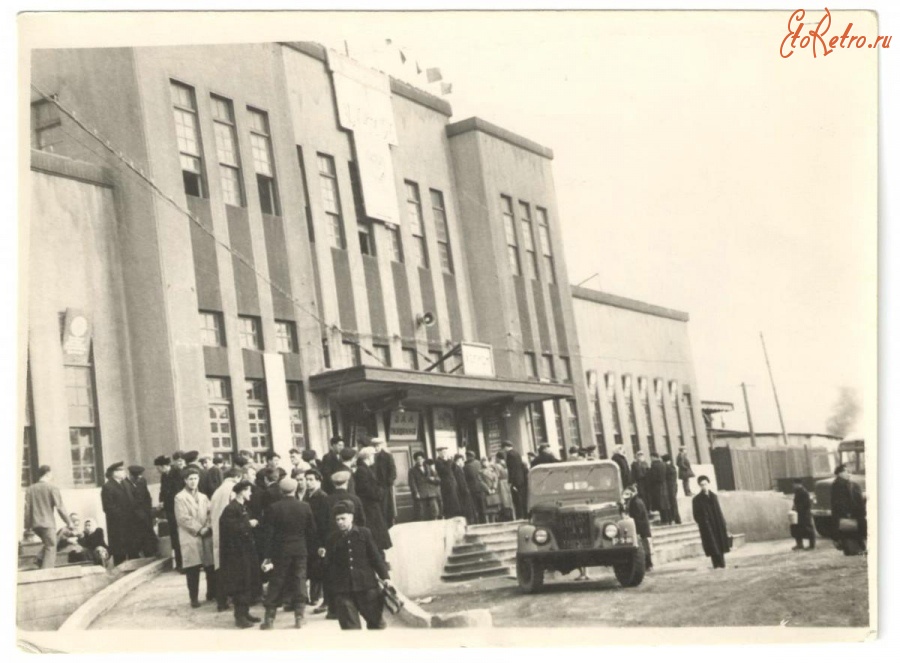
[[852, 453]]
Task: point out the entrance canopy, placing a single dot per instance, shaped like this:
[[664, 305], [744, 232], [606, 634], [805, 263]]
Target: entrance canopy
[[359, 384]]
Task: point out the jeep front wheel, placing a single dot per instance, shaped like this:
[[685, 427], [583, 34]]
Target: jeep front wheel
[[631, 573], [530, 575]]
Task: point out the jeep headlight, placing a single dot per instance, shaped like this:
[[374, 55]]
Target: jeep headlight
[[540, 536], [610, 531]]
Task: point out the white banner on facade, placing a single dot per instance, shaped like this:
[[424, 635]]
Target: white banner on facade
[[279, 411]]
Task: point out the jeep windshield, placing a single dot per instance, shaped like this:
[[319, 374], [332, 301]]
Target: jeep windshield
[[565, 482]]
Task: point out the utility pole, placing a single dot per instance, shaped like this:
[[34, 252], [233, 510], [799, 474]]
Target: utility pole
[[749, 418], [774, 391]]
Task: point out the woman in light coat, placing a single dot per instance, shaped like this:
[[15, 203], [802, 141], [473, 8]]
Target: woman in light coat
[[490, 486], [506, 500], [195, 536]]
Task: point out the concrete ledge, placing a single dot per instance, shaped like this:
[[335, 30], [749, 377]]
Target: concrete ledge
[[107, 598], [62, 573]]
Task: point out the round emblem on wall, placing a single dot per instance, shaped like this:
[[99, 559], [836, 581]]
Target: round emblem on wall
[[79, 326]]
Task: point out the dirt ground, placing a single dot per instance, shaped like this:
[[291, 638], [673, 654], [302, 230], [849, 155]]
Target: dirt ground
[[765, 584]]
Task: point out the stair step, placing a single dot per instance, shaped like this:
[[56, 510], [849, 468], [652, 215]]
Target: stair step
[[473, 566], [472, 575], [481, 554], [465, 548], [491, 538], [495, 527]]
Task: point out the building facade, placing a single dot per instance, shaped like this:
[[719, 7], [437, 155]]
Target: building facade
[[639, 376], [262, 256]]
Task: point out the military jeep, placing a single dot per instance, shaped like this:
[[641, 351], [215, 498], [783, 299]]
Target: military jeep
[[576, 519], [852, 453]]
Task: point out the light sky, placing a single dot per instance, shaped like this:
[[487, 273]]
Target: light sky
[[695, 169]]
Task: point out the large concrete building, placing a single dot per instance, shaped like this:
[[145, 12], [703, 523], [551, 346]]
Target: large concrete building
[[271, 244]]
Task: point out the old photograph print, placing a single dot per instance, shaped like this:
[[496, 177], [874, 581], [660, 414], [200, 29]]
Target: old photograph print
[[447, 320]]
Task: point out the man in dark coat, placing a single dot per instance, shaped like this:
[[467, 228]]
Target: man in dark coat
[[518, 478], [472, 471], [331, 463], [619, 459], [371, 494], [144, 542], [318, 502], [443, 465], [657, 492], [804, 529], [290, 537], [637, 510], [639, 474], [352, 560], [170, 484], [544, 456], [238, 571], [348, 464], [847, 501], [340, 494], [386, 473], [425, 486], [272, 463], [118, 505], [672, 490], [711, 523], [466, 505], [213, 476], [685, 471]]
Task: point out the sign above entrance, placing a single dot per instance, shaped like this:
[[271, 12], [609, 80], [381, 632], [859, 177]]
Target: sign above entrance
[[404, 426], [477, 359]]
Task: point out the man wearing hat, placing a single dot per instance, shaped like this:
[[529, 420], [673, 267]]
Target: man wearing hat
[[195, 536], [443, 465], [352, 561], [331, 462], [178, 462], [425, 486], [238, 566], [348, 464], [472, 471], [310, 458], [386, 475], [170, 484], [672, 490], [118, 505], [619, 459], [290, 536], [518, 478], [144, 542], [639, 469], [42, 501], [211, 478]]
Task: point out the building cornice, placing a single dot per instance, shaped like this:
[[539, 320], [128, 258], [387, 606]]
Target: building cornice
[[485, 127], [598, 297], [54, 164]]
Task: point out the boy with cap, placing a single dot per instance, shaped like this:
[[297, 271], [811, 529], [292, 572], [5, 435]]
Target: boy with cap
[[195, 536], [290, 537], [118, 505]]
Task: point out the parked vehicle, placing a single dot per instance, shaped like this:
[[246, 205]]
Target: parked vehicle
[[852, 453], [577, 519]]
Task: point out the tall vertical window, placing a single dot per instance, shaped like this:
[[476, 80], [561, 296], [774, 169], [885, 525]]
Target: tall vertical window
[[383, 352], [410, 359], [326, 354], [417, 224], [331, 201], [227, 151], [295, 405], [351, 353], [565, 369], [250, 332], [509, 227], [286, 336], [221, 428], [306, 205], [689, 418], [188, 135], [363, 223], [572, 421], [29, 462], [263, 163], [537, 427], [212, 329], [546, 250], [558, 420], [530, 366], [596, 417], [628, 392], [648, 415], [614, 406], [441, 230], [528, 240], [659, 394], [258, 418], [547, 371], [396, 245], [673, 401], [84, 430], [47, 124]]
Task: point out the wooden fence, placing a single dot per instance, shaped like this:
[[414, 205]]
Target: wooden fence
[[742, 468]]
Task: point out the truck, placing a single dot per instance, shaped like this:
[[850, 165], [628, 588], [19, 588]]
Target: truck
[[577, 519], [852, 453]]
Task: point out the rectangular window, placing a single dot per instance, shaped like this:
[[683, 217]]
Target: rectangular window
[[547, 371], [435, 356], [410, 359], [221, 429], [227, 151], [83, 425], [286, 336], [530, 366], [534, 421], [306, 205], [351, 353], [632, 415], [363, 223], [366, 238], [417, 224], [558, 421], [572, 421], [546, 250], [29, 463], [648, 415], [263, 163], [395, 243], [47, 124], [658, 390], [509, 227], [187, 134], [212, 329], [383, 352], [250, 332], [258, 418], [596, 416], [614, 406], [331, 201], [528, 240], [295, 405], [565, 367], [441, 230]]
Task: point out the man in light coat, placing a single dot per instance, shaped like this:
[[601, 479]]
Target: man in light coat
[[195, 536], [220, 499]]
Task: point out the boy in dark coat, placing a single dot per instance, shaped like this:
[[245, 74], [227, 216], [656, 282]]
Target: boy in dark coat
[[637, 510], [711, 523], [331, 462], [804, 529], [239, 564], [449, 490], [672, 490], [657, 492], [144, 541], [352, 560]]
